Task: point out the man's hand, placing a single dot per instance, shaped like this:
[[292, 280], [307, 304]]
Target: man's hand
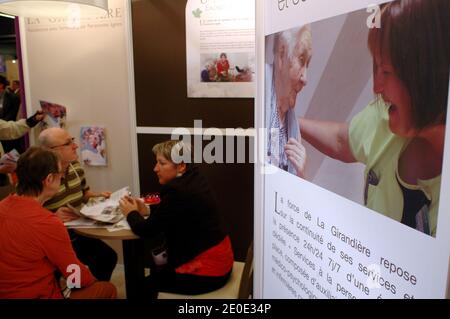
[[90, 194], [39, 115], [7, 165], [66, 214], [128, 204], [104, 194], [296, 154]]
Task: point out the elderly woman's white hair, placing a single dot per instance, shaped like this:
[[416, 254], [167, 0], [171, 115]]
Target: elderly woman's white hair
[[290, 38]]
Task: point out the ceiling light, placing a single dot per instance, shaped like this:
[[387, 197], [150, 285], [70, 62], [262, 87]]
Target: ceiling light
[[53, 8]]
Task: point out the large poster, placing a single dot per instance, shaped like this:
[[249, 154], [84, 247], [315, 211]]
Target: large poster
[[220, 48], [355, 163]]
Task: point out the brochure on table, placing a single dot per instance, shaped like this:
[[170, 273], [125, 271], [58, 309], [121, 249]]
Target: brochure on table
[[318, 238], [101, 213]]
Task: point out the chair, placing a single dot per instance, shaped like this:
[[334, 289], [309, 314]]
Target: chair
[[238, 286], [246, 285]]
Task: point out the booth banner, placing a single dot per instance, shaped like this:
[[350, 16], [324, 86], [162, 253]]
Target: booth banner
[[113, 18], [220, 48], [352, 206]]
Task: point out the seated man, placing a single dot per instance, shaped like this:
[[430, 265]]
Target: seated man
[[35, 243], [97, 255]]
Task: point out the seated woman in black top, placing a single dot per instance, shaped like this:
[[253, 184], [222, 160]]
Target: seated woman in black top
[[198, 257]]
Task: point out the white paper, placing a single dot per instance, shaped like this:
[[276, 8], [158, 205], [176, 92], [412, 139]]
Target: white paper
[[85, 223], [122, 225], [106, 210], [10, 156]]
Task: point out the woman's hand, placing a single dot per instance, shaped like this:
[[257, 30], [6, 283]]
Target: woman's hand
[[142, 208], [296, 154], [128, 204]]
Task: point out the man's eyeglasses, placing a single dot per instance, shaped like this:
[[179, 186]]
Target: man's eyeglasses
[[68, 143]]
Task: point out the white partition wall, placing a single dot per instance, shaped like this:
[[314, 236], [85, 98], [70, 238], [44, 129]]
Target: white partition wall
[[85, 65], [314, 237]]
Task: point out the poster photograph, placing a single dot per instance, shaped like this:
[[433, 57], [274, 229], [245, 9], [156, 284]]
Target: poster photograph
[[357, 133], [220, 48], [93, 145], [226, 67], [55, 115]]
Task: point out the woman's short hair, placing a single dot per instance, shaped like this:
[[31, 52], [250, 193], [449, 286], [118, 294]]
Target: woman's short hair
[[175, 151], [33, 167], [415, 37]]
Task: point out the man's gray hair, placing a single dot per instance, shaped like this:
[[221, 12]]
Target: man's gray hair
[[47, 136], [290, 38], [45, 140]]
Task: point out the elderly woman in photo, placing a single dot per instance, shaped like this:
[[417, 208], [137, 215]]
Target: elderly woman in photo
[[286, 77], [197, 256]]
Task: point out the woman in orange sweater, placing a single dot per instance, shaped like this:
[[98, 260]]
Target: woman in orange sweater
[[35, 242]]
